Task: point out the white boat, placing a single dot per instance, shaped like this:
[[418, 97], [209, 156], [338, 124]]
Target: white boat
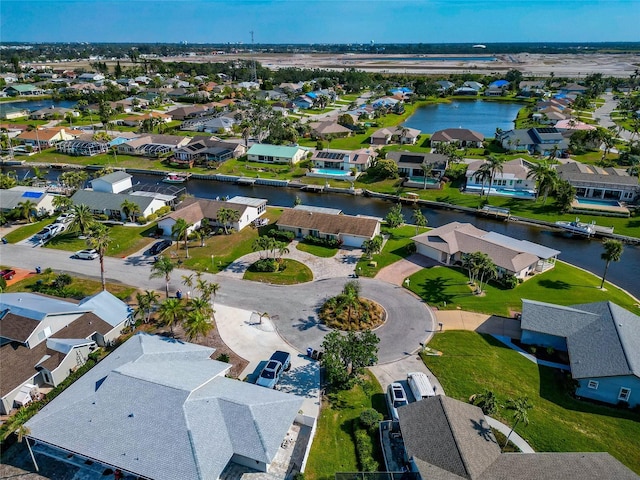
[[577, 227], [175, 177]]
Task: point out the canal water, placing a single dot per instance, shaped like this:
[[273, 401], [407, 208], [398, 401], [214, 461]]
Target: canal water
[[579, 251], [478, 115], [33, 105]]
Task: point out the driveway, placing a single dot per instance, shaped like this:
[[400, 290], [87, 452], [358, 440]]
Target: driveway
[[478, 322], [398, 271], [603, 113]]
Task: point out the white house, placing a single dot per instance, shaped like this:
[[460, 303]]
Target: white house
[[10, 198], [513, 177], [115, 182], [266, 153], [110, 204]]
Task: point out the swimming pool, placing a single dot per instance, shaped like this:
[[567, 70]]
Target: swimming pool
[[430, 181], [332, 171], [505, 192], [597, 201]]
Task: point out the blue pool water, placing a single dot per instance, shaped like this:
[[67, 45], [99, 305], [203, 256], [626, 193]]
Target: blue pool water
[[506, 192], [430, 181], [331, 171], [595, 201]]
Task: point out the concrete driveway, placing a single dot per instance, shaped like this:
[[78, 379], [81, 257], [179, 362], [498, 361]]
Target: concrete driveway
[[398, 271], [478, 322]]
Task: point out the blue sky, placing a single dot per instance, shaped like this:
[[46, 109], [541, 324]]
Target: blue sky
[[323, 21]]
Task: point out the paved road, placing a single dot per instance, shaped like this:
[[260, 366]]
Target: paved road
[[604, 114], [292, 308]]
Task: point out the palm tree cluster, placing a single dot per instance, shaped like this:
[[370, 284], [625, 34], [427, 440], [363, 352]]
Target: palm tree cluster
[[480, 268], [180, 230], [348, 311], [271, 247], [227, 217]]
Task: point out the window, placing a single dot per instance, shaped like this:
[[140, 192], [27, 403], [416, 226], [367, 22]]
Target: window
[[624, 394], [593, 384]]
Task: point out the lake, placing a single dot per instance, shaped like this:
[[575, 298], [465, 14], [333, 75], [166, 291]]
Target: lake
[[478, 115], [33, 105]]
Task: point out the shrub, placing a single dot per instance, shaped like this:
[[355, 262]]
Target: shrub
[[269, 265], [370, 418], [411, 247], [163, 210], [281, 235], [142, 219], [151, 217], [533, 350], [364, 449], [223, 357], [510, 281], [324, 242], [101, 217]]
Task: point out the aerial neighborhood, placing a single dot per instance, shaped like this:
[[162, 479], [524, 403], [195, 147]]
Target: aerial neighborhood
[[217, 263]]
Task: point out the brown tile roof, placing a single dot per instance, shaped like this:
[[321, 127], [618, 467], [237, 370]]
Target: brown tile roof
[[17, 327], [209, 208], [329, 224], [84, 327], [191, 213], [18, 364], [454, 134]]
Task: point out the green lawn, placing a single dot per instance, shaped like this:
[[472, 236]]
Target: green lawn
[[317, 250], [293, 273], [564, 285], [558, 423], [394, 249], [333, 449], [28, 231], [124, 240]]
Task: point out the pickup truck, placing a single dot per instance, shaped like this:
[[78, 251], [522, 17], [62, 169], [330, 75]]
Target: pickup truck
[[7, 274], [270, 376]]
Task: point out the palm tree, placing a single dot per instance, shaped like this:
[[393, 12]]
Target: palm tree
[[546, 179], [426, 168], [612, 252], [130, 209], [163, 268], [26, 209], [62, 203], [520, 407], [187, 280], [99, 239], [196, 324], [83, 219], [419, 219], [200, 235], [495, 166], [482, 175], [146, 301], [180, 230], [171, 312]]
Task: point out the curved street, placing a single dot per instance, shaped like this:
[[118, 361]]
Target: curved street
[[293, 309]]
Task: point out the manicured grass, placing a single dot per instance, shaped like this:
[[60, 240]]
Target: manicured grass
[[333, 449], [124, 240], [86, 286], [293, 273], [28, 231], [394, 249], [558, 423], [221, 250], [317, 250], [564, 285], [127, 161], [256, 169]]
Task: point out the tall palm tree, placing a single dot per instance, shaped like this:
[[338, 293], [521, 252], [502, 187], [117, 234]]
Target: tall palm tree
[[521, 407], [130, 209], [83, 219], [612, 252], [197, 324], [419, 219], [26, 209], [163, 268], [482, 175], [180, 230], [99, 239], [171, 312], [62, 203], [495, 166], [546, 179], [426, 168]]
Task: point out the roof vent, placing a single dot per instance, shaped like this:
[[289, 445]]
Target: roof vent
[[131, 415]]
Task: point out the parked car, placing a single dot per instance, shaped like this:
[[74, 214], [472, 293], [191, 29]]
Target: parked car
[[50, 231], [87, 254], [65, 218], [420, 385], [159, 247], [396, 398], [271, 373], [7, 274]]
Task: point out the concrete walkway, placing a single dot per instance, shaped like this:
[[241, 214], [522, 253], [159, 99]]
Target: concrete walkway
[[507, 341], [516, 439], [478, 322], [342, 264]]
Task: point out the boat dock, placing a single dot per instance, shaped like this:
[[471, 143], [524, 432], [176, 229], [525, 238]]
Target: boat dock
[[246, 181], [313, 188], [497, 212]]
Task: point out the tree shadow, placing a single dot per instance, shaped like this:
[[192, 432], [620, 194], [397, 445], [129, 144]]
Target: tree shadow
[[434, 291], [554, 284], [483, 429], [308, 323]]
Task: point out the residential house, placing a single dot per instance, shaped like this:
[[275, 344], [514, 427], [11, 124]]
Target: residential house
[[116, 182], [214, 423], [217, 125], [265, 153], [83, 148], [153, 145], [191, 111], [51, 112], [110, 204], [10, 198], [573, 88], [542, 141], [17, 89], [8, 112], [497, 88], [447, 439], [465, 91], [203, 150], [194, 210], [410, 164], [344, 159], [136, 120], [445, 85], [572, 125], [328, 127], [461, 137], [47, 137], [247, 86], [608, 183], [43, 339], [385, 102], [603, 343], [449, 244], [401, 135], [350, 230], [477, 86], [90, 77], [513, 177], [303, 102], [271, 95]]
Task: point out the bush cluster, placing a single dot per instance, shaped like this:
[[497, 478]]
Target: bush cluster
[[281, 235], [324, 242], [269, 265], [370, 419], [364, 450]]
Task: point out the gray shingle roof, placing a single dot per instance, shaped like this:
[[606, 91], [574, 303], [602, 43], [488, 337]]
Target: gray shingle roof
[[577, 172], [161, 408], [115, 176], [109, 201]]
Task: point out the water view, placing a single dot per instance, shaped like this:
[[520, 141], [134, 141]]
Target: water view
[[478, 115], [33, 105]]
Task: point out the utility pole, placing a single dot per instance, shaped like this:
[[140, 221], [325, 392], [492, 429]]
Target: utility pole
[[254, 75]]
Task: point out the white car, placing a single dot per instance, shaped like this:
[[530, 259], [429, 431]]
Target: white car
[[50, 231], [65, 218], [396, 397], [88, 254], [420, 385]]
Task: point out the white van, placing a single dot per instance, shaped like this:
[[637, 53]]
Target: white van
[[420, 385]]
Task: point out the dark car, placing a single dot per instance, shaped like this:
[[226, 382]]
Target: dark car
[[7, 274], [159, 247]]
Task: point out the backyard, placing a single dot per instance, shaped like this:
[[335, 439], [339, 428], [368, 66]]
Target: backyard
[[471, 363], [448, 288]]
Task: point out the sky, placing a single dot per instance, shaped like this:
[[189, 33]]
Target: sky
[[319, 21]]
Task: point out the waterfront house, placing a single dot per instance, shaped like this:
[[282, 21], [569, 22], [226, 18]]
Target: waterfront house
[[344, 159], [603, 343], [449, 244], [152, 145], [10, 198], [445, 85], [542, 141], [513, 177], [154, 388], [202, 150], [410, 163], [608, 183], [195, 210], [401, 135], [115, 182], [110, 204], [497, 88], [84, 148], [461, 137], [8, 112], [266, 153], [18, 89], [44, 338], [446, 439], [47, 137], [51, 112], [352, 231]]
